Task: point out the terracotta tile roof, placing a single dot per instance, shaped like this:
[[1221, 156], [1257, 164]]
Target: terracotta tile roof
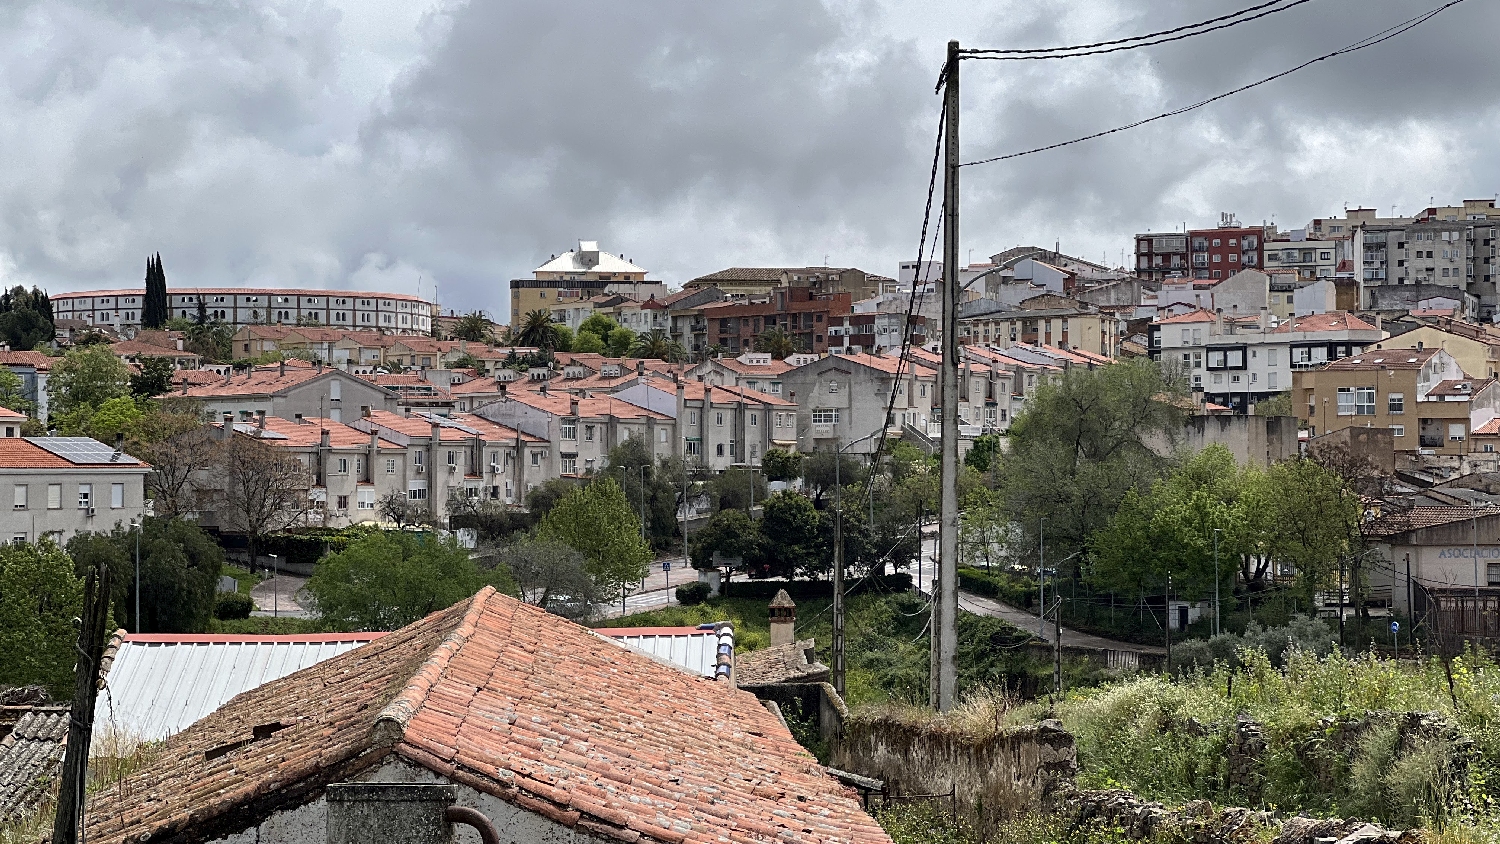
[[475, 385], [1198, 315], [1385, 359], [790, 663], [309, 432], [134, 348], [262, 380], [1393, 520], [42, 362], [11, 415], [504, 698], [884, 363], [1460, 387], [420, 425], [775, 367], [1336, 321], [238, 291], [23, 453], [559, 404], [694, 391], [1489, 428], [30, 757]]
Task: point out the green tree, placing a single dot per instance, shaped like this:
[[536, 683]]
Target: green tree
[[552, 576], [730, 489], [541, 499], [599, 325], [620, 341], [389, 579], [25, 318], [473, 327], [781, 465], [155, 308], [86, 378], [649, 487], [154, 378], [13, 393], [180, 567], [730, 534], [822, 468], [790, 537], [984, 452], [778, 343], [536, 329], [1277, 405], [39, 597], [116, 417], [1080, 445], [588, 343], [1304, 516], [656, 344], [596, 521], [562, 338]]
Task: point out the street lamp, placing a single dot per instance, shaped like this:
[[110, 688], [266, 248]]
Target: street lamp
[[136, 526], [838, 558], [275, 587]]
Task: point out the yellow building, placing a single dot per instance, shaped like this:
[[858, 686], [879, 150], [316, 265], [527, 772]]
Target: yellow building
[[1475, 347]]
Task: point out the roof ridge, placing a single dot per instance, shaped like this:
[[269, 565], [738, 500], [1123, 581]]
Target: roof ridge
[[390, 724]]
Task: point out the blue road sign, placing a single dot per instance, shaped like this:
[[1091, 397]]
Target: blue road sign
[[1395, 625], [666, 565]]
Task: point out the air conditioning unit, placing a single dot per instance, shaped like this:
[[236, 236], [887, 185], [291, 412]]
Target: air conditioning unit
[[452, 468], [91, 511], [421, 468], [494, 468]]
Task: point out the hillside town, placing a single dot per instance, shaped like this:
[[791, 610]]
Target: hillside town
[[707, 425]]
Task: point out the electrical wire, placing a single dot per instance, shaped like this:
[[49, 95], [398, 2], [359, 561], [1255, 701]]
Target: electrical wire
[[1370, 41], [1137, 42]]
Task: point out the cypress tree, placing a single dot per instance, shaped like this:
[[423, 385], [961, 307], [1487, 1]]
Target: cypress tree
[[154, 307]]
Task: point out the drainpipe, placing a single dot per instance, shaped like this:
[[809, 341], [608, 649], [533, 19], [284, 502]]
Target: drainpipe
[[397, 813]]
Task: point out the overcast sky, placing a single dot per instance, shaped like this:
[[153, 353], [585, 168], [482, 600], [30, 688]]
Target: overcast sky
[[370, 143]]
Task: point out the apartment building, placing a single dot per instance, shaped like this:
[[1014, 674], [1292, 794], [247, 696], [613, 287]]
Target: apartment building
[[1475, 347], [62, 486], [1451, 246], [1160, 256], [1236, 362], [1200, 253], [1311, 259], [719, 427], [799, 311], [458, 456], [288, 390], [580, 273], [1071, 326], [842, 398], [752, 370], [759, 282], [581, 430], [1421, 395], [397, 313], [33, 368]]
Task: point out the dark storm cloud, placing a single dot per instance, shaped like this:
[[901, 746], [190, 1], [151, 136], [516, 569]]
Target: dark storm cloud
[[370, 142]]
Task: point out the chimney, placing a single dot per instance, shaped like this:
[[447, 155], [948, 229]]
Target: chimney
[[323, 438], [179, 344], [1219, 321], [572, 407], [184, 385], [283, 367], [436, 433], [1265, 318], [260, 419], [501, 385], [226, 429], [543, 389], [783, 619], [228, 374], [640, 367]]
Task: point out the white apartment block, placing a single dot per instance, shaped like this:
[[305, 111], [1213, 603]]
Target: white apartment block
[[62, 486], [395, 313]]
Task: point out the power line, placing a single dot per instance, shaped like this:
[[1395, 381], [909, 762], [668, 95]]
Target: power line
[[1371, 41], [1137, 42]]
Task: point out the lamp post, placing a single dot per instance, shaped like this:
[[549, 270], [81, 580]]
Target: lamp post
[[275, 587], [1216, 581], [136, 526], [838, 558]]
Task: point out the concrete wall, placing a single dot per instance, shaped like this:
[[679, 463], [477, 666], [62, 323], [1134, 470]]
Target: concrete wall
[[1253, 440], [1012, 771]]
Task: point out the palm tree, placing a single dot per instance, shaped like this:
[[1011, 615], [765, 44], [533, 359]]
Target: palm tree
[[713, 350], [473, 327], [536, 329], [657, 344], [777, 342]]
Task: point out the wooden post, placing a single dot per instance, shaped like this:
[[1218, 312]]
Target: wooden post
[[71, 798]]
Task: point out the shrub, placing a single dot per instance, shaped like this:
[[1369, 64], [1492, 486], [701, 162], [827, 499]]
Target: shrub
[[230, 605], [692, 594]]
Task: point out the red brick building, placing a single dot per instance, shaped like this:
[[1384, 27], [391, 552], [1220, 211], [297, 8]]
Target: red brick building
[[1222, 252], [798, 311]]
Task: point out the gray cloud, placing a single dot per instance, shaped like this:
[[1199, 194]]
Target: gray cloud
[[354, 143]]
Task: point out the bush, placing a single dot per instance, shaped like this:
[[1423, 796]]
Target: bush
[[692, 594], [1013, 589], [232, 605], [813, 589]]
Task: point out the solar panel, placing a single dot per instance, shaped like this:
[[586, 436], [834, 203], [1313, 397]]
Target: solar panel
[[79, 449]]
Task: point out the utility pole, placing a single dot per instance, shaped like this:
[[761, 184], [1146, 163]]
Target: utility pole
[[838, 573], [67, 827], [1057, 642], [945, 600], [1166, 618], [1216, 581], [1041, 577]]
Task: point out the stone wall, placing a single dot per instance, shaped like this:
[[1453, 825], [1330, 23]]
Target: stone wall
[[1199, 822], [996, 776]]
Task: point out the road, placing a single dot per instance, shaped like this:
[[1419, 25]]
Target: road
[[278, 596], [981, 605]]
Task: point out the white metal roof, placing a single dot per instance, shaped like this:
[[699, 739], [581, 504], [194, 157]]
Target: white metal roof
[[585, 259], [692, 649], [158, 685]]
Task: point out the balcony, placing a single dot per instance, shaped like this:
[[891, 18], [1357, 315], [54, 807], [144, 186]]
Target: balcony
[[1427, 441]]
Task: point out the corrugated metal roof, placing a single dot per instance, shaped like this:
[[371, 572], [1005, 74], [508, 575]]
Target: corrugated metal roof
[[692, 649], [160, 684]]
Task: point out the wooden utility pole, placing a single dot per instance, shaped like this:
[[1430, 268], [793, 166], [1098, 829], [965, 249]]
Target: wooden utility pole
[[838, 572], [945, 597], [68, 825]]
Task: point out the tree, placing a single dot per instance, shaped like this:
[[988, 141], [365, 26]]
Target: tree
[[1277, 405], [731, 534], [541, 499], [155, 308], [114, 418], [1081, 444], [789, 530], [491, 520], [172, 438], [656, 344], [472, 327], [562, 338], [13, 393], [180, 567], [263, 490], [536, 329], [200, 316], [39, 597], [599, 325], [781, 465], [26, 318], [777, 342], [649, 488], [730, 490], [596, 521], [821, 468], [86, 378], [155, 377], [588, 343], [399, 509], [386, 580], [552, 576], [984, 452], [620, 341]]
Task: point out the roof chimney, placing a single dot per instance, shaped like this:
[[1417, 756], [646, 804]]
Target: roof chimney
[[640, 367], [501, 385], [184, 385], [436, 433], [283, 367], [228, 374], [323, 438], [260, 419], [572, 407]]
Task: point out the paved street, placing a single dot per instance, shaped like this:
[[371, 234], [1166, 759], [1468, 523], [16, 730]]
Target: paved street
[[980, 605], [278, 596]]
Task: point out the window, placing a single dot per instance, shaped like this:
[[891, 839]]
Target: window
[[1270, 357], [1395, 403], [569, 465], [719, 450], [825, 416], [570, 429], [419, 459], [694, 448], [754, 419], [54, 496], [359, 466], [661, 436], [1398, 430], [588, 433], [452, 457], [116, 496], [417, 491], [20, 496], [833, 387], [692, 417], [719, 420], [536, 458], [343, 468], [390, 466], [366, 499], [1456, 432], [1271, 381], [342, 503], [85, 496], [1356, 401]]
